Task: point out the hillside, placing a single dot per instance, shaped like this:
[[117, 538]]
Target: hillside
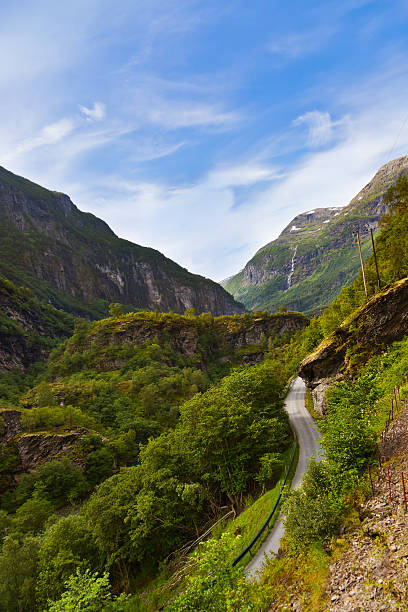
[[29, 328], [316, 255], [75, 261]]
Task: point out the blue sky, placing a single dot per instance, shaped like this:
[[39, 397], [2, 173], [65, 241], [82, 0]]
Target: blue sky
[[201, 128]]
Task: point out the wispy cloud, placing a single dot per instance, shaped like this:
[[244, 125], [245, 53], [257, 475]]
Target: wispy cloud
[[96, 113], [183, 114], [319, 125], [200, 225], [49, 135], [298, 44]]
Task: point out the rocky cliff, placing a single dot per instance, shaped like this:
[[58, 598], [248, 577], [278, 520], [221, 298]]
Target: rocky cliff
[[315, 256], [376, 325], [202, 340], [28, 327], [74, 260]]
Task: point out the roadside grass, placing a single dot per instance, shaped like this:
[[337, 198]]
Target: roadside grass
[[250, 521], [304, 574]]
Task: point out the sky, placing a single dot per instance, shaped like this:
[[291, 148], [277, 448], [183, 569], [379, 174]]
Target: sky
[[200, 127]]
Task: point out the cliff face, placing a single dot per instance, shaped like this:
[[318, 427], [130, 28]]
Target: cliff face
[[315, 256], [380, 322], [75, 260], [241, 339], [28, 327]]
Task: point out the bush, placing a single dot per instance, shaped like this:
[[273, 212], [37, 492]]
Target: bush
[[60, 481], [312, 512]]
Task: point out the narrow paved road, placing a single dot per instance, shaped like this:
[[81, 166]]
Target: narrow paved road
[[308, 438]]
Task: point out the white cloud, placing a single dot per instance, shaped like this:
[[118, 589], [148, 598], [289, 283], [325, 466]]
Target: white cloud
[[320, 127], [49, 135], [240, 175], [199, 225], [189, 114], [97, 113]]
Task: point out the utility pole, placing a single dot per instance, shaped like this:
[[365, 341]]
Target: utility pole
[[362, 264], [375, 259]]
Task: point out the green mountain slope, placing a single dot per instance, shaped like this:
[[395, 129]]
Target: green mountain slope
[[74, 260], [316, 255]]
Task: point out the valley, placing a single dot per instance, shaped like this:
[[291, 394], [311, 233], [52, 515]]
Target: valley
[[142, 448]]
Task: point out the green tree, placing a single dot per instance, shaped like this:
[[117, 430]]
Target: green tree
[[214, 585], [115, 309], [99, 466], [88, 592], [32, 515], [45, 396], [108, 512], [66, 546], [60, 481], [190, 312], [18, 573]]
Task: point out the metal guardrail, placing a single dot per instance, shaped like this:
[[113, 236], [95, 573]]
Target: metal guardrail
[[270, 515]]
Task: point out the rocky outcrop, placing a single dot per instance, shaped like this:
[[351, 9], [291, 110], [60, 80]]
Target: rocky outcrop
[[380, 322], [368, 571], [34, 449], [315, 256], [28, 327], [76, 261], [10, 424], [201, 339]]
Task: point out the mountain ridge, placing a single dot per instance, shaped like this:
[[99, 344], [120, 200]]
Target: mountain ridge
[[320, 247], [74, 260]]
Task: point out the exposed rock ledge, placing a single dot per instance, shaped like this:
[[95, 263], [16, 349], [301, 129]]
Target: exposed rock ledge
[[35, 449], [380, 322]]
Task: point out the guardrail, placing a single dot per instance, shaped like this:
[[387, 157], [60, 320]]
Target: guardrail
[[270, 515]]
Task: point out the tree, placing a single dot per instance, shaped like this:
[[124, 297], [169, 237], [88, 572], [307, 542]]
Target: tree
[[88, 592], [214, 585], [107, 513], [32, 515], [65, 547], [115, 309], [18, 573], [190, 312], [45, 396], [60, 481], [99, 465]]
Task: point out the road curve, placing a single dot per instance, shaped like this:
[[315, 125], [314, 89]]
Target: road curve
[[308, 438]]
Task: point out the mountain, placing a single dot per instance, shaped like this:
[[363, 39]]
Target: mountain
[[316, 254], [77, 263]]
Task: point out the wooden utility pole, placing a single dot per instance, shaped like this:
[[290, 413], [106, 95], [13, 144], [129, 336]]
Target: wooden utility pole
[[375, 259], [362, 264]]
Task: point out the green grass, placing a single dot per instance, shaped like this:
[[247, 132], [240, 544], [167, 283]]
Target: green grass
[[250, 521]]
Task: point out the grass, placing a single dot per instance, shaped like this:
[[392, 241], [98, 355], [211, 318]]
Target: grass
[[250, 521], [303, 575]]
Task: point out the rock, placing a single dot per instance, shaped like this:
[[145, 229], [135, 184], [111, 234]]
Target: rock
[[11, 424], [35, 449], [379, 323]]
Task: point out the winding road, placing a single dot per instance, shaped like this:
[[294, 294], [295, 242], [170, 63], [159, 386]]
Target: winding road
[[308, 438]]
